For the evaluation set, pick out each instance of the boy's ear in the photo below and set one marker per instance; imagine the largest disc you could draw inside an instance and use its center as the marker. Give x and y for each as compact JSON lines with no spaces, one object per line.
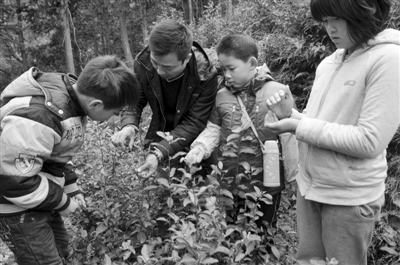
{"x":188,"y":58}
{"x":253,"y":62}
{"x":95,"y":104}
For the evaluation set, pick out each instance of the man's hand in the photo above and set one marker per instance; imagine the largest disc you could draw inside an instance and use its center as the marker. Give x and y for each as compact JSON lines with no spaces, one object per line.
{"x":119,"y":138}
{"x":283,"y":126}
{"x":149,"y":167}
{"x":194,"y":156}
{"x":293,"y":186}
{"x":281,"y":103}
{"x":80,"y":200}
{"x":72,"y":207}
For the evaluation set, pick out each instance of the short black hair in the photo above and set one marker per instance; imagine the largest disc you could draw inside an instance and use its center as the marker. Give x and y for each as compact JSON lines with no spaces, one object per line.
{"x":171,"y":36}
{"x":365,"y":18}
{"x":108,"y":78}
{"x":239,"y":45}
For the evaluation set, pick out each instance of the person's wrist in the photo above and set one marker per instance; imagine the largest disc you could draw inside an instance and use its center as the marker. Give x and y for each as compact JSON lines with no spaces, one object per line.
{"x":157,"y":153}
{"x":131,"y":126}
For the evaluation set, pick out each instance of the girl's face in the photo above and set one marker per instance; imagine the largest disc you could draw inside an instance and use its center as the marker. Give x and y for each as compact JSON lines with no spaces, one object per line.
{"x":339,"y":34}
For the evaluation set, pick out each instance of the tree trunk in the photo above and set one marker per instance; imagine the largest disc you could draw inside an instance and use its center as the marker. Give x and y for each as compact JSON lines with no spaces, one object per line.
{"x":69,"y":58}
{"x":21,"y":39}
{"x":229,"y":8}
{"x":124,"y":36}
{"x":188,"y":11}
{"x":143,"y":12}
{"x":107,"y":31}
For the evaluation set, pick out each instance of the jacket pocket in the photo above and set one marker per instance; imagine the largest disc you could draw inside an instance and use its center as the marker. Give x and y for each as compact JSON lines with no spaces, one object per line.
{"x":329,"y":167}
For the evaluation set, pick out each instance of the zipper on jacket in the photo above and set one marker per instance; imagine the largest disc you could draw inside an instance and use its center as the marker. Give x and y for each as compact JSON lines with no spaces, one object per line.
{"x":159,"y":102}
{"x":316,"y":115}
{"x":233,"y":114}
{"x":257,"y":111}
{"x":328,"y":88}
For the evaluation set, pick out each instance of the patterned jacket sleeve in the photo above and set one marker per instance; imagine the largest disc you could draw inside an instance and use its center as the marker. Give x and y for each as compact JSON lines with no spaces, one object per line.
{"x":208,"y":139}
{"x":25,"y":146}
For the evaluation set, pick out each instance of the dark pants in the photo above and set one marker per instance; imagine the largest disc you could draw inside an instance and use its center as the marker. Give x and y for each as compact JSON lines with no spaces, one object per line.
{"x":35,"y":237}
{"x":269,"y":211}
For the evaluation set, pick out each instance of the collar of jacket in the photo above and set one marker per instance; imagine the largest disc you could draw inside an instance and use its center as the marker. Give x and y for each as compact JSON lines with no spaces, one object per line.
{"x":261,"y":76}
{"x":55,"y":90}
{"x":74,"y":98}
{"x":200,"y":67}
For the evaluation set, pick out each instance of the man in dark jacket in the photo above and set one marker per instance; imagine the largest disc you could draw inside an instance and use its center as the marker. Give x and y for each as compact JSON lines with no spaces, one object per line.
{"x":179,"y":83}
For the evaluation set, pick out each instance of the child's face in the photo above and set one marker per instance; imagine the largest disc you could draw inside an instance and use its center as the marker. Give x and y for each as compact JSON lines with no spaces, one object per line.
{"x":101,"y":114}
{"x":339,"y":34}
{"x":237,"y":73}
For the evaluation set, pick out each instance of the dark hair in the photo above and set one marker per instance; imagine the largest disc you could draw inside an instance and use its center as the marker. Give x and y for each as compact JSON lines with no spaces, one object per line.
{"x":240,"y":45}
{"x":365,"y":18}
{"x":107,"y":78}
{"x":171,"y":36}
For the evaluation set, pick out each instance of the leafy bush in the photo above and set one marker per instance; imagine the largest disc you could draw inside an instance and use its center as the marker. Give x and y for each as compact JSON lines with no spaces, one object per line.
{"x":166,"y":219}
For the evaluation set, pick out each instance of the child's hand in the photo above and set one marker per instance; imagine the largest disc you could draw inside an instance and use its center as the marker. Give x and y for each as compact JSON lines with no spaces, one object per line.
{"x":149,"y":167}
{"x":119,"y":138}
{"x":194,"y":156}
{"x":283,"y":126}
{"x":80,"y":200}
{"x":281,"y":103}
{"x":72,"y":207}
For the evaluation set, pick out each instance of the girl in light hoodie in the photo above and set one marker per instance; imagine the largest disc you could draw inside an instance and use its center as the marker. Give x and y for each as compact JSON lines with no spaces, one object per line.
{"x":351,"y":116}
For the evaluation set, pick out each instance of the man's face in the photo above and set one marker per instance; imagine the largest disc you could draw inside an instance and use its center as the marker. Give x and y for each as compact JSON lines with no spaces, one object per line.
{"x":168,"y":66}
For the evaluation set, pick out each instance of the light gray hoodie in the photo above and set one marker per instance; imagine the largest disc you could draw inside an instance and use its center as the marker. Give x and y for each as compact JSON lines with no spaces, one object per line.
{"x":351,"y":116}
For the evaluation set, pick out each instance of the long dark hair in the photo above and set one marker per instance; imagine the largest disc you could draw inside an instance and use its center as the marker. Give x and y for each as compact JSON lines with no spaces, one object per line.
{"x":365,"y":18}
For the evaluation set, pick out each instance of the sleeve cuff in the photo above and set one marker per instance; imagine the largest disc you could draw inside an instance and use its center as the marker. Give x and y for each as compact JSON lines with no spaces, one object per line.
{"x":65,"y":202}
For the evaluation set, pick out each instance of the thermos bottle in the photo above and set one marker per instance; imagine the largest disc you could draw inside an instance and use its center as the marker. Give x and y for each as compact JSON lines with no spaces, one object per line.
{"x":271,"y":164}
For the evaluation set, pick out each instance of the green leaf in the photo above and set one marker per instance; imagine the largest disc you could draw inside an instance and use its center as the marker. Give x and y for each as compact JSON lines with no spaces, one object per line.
{"x":220,"y":165}
{"x":216,"y":169}
{"x":194,"y":169}
{"x":170,"y":202}
{"x":188,"y":259}
{"x":232,"y":137}
{"x":145,"y":252}
{"x":250,"y":246}
{"x":186,"y":201}
{"x":223,"y":249}
{"x":192,"y":198}
{"x":229,"y":154}
{"x":390,"y":251}
{"x":107,"y":260}
{"x":201,"y":191}
{"x":276,"y":252}
{"x":229,"y":231}
{"x":179,"y":154}
{"x":151,"y":187}
{"x":246,"y":138}
{"x":209,"y":261}
{"x":173,"y":216}
{"x":172,"y":172}
{"x":239,"y":257}
{"x":162,"y":219}
{"x":227,"y":193}
{"x":246,"y":165}
{"x":163,"y":181}
{"x":247,"y":150}
{"x":101,"y":228}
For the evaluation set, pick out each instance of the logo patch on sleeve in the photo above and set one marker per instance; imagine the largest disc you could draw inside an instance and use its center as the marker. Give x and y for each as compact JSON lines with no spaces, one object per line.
{"x":25,"y":163}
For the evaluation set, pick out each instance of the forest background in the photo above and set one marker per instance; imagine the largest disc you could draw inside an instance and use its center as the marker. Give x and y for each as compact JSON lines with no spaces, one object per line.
{"x":120,"y":225}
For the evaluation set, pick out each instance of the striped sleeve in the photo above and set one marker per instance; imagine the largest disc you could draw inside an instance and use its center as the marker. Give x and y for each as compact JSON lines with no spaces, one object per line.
{"x":25,"y":145}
